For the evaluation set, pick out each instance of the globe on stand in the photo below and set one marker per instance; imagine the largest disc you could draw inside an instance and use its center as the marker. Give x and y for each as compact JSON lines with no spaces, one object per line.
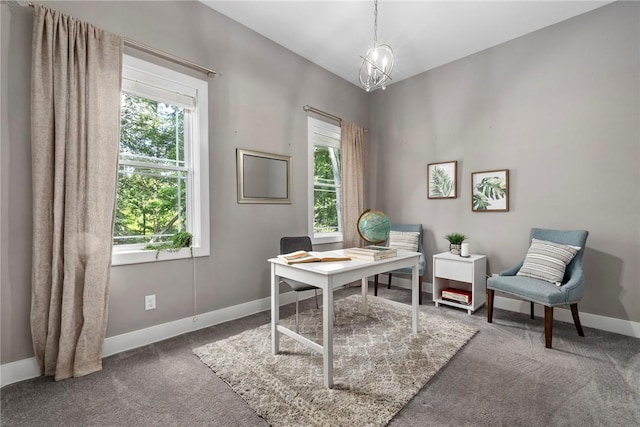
{"x":373,"y":226}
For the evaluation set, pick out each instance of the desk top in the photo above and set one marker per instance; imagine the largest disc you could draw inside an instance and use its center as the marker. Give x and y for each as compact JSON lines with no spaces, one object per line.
{"x":332,"y":267}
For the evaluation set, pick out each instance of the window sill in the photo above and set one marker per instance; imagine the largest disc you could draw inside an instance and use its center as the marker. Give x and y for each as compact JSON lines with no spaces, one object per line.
{"x":320,"y":239}
{"x":144,"y":256}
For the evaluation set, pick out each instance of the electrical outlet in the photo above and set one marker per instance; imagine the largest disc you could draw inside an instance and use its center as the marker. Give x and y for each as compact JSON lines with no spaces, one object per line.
{"x":150,"y":302}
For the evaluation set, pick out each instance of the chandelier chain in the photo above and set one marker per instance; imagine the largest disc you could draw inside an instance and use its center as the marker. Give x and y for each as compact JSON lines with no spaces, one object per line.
{"x":375,"y":23}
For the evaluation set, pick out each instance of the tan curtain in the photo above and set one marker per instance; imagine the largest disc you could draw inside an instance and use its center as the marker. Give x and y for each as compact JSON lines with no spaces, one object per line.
{"x":75,"y":100}
{"x":353,"y":153}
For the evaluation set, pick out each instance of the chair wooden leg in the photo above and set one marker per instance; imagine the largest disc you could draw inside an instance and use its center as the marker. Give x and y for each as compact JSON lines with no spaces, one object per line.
{"x":389,"y":284}
{"x":375,"y":285}
{"x":490,"y":293}
{"x":532,"y":310}
{"x":419,"y":290}
{"x":548,"y":325}
{"x":576,"y":318}
{"x":316,"y":292}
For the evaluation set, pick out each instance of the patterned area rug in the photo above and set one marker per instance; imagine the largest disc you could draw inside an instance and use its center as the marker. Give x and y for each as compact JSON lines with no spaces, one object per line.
{"x":378,"y":364}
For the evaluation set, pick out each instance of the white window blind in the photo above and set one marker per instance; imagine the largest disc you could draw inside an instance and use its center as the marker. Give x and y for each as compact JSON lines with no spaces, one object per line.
{"x":187,"y":101}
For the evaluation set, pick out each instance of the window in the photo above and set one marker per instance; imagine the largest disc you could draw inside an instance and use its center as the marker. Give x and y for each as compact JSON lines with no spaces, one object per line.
{"x":325,"y":182}
{"x":163,"y":164}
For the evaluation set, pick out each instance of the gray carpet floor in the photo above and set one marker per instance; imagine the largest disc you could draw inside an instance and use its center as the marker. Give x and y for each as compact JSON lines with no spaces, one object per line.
{"x":503,"y":377}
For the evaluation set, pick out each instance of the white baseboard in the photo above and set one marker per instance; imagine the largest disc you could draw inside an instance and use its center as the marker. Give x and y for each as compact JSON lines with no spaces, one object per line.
{"x":604,"y":323}
{"x":28,"y":368}
{"x":19,"y":370}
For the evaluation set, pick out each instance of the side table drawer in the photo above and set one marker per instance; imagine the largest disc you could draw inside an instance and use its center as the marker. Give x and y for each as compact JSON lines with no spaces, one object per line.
{"x":454,"y":270}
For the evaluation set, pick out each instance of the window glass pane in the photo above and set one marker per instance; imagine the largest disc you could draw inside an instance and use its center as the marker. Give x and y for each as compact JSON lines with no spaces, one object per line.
{"x":152,"y":201}
{"x":326,"y":210}
{"x":326,"y":189}
{"x":151,"y":204}
{"x":151,"y":131}
{"x":327,"y":165}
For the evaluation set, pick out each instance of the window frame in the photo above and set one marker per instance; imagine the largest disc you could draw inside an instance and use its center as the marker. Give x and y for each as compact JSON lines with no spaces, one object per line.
{"x":315,"y":126}
{"x":196,"y":158}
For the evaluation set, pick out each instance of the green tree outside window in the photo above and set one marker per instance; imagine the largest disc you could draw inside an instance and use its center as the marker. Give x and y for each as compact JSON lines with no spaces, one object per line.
{"x":152,"y":179}
{"x":327,"y":189}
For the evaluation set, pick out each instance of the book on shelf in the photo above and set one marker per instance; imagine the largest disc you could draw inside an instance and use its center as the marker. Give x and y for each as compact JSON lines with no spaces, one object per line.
{"x":457,"y":295}
{"x":372,"y":252}
{"x":299,"y":257}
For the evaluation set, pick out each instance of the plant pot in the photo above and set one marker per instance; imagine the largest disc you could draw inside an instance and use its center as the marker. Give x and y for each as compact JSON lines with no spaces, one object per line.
{"x":454,"y":249}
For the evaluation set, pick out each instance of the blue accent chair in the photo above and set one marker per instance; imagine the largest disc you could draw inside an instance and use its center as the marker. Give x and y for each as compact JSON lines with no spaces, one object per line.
{"x":541,"y":291}
{"x":421,"y":263}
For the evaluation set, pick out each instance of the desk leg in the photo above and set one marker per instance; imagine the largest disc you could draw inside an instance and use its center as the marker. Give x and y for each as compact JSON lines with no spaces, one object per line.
{"x":415,"y":297}
{"x":327,"y":338}
{"x":365,"y":290}
{"x":275,"y":310}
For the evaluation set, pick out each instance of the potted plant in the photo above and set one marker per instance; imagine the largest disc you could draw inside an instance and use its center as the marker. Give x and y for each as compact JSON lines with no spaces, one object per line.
{"x":179,"y":240}
{"x":455,"y":241}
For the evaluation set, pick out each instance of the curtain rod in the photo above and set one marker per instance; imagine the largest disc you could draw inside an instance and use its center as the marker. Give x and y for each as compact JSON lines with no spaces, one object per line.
{"x":168,"y":56}
{"x":152,"y":50}
{"x":325,"y":114}
{"x":322,"y":113}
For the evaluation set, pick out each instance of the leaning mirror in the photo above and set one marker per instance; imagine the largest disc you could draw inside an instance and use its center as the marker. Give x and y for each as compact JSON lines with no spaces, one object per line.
{"x":263,"y":177}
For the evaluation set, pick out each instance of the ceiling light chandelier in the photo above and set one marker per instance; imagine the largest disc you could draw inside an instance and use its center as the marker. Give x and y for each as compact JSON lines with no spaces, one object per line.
{"x":375,"y":71}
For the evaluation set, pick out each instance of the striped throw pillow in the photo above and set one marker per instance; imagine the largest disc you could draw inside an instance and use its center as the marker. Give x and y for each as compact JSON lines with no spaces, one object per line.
{"x":547,"y":261}
{"x":407,"y":240}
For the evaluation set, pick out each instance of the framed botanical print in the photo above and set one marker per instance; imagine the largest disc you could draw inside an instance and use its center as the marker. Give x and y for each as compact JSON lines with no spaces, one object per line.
{"x":441,"y":180}
{"x":490,"y":191}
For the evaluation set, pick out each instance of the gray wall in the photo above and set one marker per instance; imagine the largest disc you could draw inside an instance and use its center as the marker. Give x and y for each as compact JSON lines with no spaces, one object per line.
{"x":256,"y":104}
{"x":560,"y":109}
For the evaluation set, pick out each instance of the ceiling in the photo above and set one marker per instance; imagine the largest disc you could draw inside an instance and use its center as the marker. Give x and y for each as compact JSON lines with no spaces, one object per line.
{"x":423,"y":34}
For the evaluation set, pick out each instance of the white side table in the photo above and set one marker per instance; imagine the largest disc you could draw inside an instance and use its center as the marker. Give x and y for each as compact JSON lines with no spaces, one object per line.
{"x":454,"y":271}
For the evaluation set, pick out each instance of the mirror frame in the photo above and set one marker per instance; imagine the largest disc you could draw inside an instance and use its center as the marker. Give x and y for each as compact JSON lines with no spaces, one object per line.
{"x":240,"y":156}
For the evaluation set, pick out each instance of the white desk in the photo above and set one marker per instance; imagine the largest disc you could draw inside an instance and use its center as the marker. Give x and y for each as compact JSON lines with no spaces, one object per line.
{"x":327,"y":276}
